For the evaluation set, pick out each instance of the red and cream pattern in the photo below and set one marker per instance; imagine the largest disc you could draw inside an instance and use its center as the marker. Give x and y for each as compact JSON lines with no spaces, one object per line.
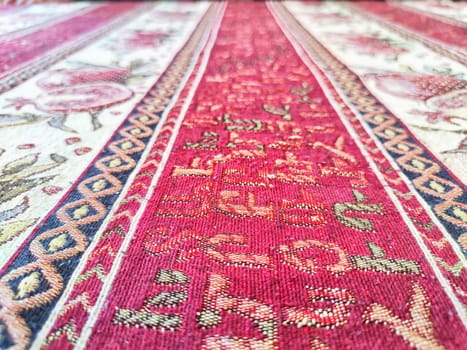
{"x":427,"y":28}
{"x":20,"y":49}
{"x":446,"y":11}
{"x":27,"y":18}
{"x":74,"y":107}
{"x":270,"y":207}
{"x":423,"y":88}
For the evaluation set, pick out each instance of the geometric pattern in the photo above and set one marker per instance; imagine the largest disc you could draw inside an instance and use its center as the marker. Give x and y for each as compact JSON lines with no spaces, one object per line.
{"x":441,"y":191}
{"x":261,"y":194}
{"x":37,"y":276}
{"x":110,"y":241}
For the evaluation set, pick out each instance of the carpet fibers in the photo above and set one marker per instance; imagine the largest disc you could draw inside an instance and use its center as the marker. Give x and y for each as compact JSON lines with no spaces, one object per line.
{"x":267,"y":175}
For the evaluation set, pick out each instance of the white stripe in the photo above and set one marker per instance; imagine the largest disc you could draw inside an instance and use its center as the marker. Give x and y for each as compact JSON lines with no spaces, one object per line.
{"x":47,"y":23}
{"x":94,"y":313}
{"x":457,"y":51}
{"x":438,"y":16}
{"x":75,"y":44}
{"x":442,"y":280}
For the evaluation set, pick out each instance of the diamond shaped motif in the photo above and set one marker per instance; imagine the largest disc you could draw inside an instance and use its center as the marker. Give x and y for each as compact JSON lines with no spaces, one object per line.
{"x":28,"y":285}
{"x":58,"y":242}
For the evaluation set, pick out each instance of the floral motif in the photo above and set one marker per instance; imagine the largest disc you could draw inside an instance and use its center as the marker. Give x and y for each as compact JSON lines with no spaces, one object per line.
{"x":445,"y":96}
{"x":369,"y":44}
{"x":88,"y":89}
{"x":16,"y":178}
{"x":146,"y":39}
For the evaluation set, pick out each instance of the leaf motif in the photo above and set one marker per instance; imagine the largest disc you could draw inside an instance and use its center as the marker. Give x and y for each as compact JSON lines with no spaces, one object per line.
{"x":303,"y":90}
{"x":12,"y":189}
{"x":417,"y":330}
{"x":15,"y":211}
{"x":376,"y":250}
{"x":208,"y":318}
{"x":171,"y":277}
{"x":14,"y":229}
{"x":28,"y":285}
{"x":10,"y":120}
{"x":275,"y":110}
{"x":20,"y":164}
{"x":359,"y":196}
{"x":455,"y":269}
{"x":167,"y":299}
{"x":57,"y":158}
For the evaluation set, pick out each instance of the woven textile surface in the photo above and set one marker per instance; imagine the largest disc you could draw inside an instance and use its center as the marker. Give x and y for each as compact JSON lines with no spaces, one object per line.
{"x":246,"y":175}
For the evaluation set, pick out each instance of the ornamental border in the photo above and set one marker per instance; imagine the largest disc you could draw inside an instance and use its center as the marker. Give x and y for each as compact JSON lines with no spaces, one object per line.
{"x":392,"y":133}
{"x":79,"y":216}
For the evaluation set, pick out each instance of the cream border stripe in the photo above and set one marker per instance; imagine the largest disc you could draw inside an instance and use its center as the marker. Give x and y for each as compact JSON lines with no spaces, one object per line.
{"x":14,"y":77}
{"x":48,"y":23}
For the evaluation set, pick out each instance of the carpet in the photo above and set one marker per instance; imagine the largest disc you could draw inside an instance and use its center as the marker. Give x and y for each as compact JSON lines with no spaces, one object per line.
{"x":245,"y":175}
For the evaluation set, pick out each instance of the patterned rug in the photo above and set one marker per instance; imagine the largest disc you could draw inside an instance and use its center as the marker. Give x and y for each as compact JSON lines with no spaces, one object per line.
{"x":233,"y":175}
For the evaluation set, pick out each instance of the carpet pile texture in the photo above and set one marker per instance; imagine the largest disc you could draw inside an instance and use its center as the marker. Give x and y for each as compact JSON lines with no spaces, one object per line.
{"x":223,"y":176}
